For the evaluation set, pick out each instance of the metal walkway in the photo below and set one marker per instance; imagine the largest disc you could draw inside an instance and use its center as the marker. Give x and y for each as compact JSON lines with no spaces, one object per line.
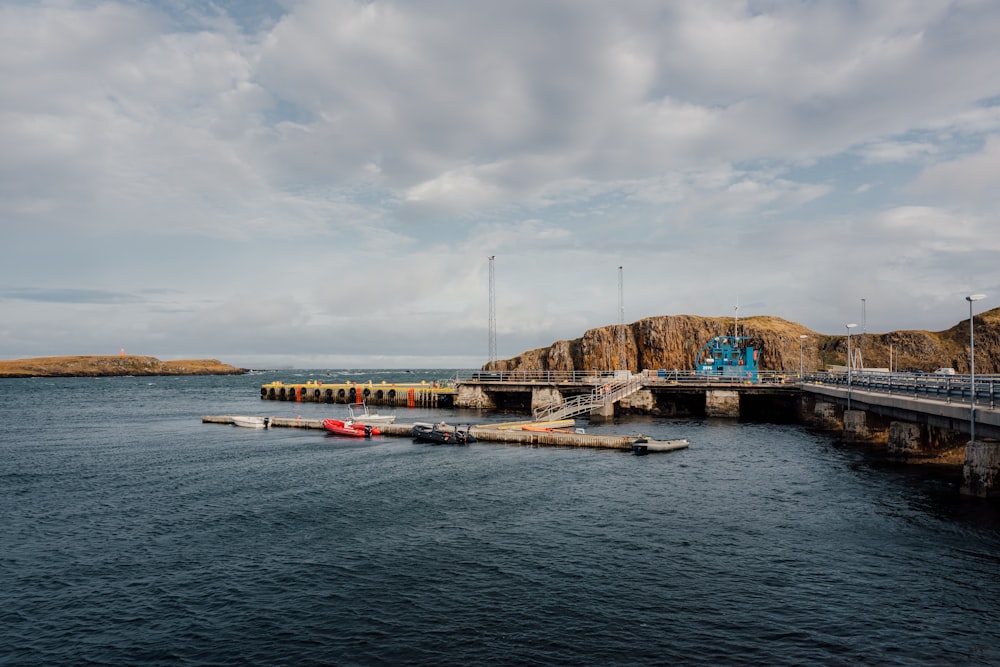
{"x":605,"y":395}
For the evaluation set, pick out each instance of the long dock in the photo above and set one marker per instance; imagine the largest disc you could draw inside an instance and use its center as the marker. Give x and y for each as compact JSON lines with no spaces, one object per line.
{"x":485,"y":433}
{"x":436,"y":394}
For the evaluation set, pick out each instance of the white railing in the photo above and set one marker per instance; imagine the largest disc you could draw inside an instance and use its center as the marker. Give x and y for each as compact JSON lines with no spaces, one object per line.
{"x":574,"y":377}
{"x":601,"y":377}
{"x":948,"y":388}
{"x":609,"y":393}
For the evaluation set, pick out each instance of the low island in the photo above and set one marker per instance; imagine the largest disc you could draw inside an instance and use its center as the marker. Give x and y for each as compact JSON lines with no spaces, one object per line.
{"x":111,"y":365}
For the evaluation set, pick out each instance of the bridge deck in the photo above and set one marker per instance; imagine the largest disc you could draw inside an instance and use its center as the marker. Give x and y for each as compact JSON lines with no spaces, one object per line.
{"x":948,"y":411}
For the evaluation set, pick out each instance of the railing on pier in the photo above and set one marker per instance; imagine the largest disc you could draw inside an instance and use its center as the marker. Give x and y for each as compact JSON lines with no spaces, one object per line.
{"x":949,"y":388}
{"x":607,"y":394}
{"x":598,"y":377}
{"x":669,"y":377}
{"x":572,"y":377}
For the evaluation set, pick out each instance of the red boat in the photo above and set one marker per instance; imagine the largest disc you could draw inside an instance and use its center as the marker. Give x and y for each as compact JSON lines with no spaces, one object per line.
{"x":352,"y":429}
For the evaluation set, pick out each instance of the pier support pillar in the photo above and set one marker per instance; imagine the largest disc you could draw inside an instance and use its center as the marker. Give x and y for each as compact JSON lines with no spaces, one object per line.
{"x":545,"y":397}
{"x":908,"y":441}
{"x":640,"y":401}
{"x":806,"y":408}
{"x":855,"y":427}
{"x":604,"y":413}
{"x":981,"y":473}
{"x":825,"y":416}
{"x":861,"y":426}
{"x":722,"y":403}
{"x":472,"y":396}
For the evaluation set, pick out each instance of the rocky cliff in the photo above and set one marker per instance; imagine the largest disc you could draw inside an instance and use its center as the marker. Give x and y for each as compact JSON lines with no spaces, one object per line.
{"x":673,"y":341}
{"x":97,"y":366}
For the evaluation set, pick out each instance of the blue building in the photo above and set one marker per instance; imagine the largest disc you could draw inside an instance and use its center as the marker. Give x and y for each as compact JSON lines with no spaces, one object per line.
{"x":729,"y":357}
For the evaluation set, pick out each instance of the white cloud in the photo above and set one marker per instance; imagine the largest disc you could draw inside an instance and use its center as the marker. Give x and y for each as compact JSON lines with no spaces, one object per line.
{"x":266,"y":170}
{"x":898,"y":151}
{"x":971,"y":176}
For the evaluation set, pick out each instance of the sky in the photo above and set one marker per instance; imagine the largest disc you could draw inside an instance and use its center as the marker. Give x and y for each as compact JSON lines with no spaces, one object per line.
{"x":321,"y":183}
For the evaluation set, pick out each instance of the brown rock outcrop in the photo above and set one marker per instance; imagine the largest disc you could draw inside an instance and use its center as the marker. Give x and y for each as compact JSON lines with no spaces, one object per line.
{"x":673,"y":341}
{"x":99,"y":366}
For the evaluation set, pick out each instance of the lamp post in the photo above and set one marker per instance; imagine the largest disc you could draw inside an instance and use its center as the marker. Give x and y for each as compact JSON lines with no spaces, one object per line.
{"x":972,"y":368}
{"x":849,"y":364}
{"x":802,"y":338}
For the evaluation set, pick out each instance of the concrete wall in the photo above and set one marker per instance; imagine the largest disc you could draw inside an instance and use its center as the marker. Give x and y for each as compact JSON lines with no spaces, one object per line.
{"x":545,"y":397}
{"x":828,"y":416}
{"x":861,"y":426}
{"x":981,"y":472}
{"x":916,"y":442}
{"x":641,"y":401}
{"x":473,"y":396}
{"x":722,"y":403}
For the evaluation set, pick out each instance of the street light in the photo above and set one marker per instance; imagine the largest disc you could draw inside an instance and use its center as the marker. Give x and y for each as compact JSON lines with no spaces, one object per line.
{"x":972,"y":368}
{"x":849,"y":364}
{"x":802,"y":338}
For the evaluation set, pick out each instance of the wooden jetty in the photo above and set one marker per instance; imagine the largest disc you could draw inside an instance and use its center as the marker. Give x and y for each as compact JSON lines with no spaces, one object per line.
{"x":486,"y":433}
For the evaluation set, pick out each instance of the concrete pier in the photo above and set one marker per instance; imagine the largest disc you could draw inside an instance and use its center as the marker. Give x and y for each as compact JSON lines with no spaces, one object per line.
{"x":861,"y":426}
{"x":919,"y":442}
{"x":423,"y":394}
{"x":722,"y":403}
{"x":827,"y":416}
{"x":500,"y":435}
{"x":981,"y":473}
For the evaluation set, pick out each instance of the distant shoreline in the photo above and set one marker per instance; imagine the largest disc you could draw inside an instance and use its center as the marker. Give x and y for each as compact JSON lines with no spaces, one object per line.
{"x":112,"y":366}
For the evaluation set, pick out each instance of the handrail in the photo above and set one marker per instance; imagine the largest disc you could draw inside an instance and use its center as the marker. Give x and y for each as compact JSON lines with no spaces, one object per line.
{"x":947,"y":387}
{"x":600,"y":377}
{"x":576,"y":377}
{"x":609,"y":393}
{"x":950,"y":388}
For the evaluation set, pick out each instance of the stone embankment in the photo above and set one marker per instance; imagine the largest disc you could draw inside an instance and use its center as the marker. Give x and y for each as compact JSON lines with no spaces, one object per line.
{"x":105,"y":366}
{"x":673,"y":341}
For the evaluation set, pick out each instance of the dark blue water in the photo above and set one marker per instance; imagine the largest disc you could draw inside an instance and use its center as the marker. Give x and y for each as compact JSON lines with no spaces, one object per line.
{"x":132,"y":533}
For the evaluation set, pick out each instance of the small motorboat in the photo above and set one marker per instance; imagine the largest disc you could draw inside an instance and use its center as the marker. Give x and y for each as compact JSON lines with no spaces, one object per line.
{"x":251,"y":422}
{"x":349,"y":428}
{"x":442,"y":434}
{"x":361,"y":414}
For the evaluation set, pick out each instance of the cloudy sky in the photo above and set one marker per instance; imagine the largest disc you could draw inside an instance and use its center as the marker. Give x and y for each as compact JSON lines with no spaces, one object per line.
{"x":320,"y":183}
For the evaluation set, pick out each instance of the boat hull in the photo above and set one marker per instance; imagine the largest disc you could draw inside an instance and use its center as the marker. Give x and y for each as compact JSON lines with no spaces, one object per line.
{"x":442,"y":434}
{"x":360,"y":414}
{"x":350,"y":429}
{"x":251,"y":422}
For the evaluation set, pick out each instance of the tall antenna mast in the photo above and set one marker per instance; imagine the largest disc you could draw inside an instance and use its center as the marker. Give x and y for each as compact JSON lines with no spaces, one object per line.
{"x":861,"y":340}
{"x":493,"y":315}
{"x":736,"y":318}
{"x":621,"y":319}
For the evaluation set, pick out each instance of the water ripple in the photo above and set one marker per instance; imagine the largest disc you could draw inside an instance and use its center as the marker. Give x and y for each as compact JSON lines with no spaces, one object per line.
{"x":146,"y":537}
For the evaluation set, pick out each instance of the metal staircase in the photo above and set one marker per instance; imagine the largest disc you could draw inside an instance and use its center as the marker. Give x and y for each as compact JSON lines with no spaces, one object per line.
{"x":607,"y":394}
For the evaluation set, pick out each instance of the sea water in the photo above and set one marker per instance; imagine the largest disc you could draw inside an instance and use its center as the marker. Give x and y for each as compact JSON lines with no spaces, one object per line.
{"x":133,"y":533}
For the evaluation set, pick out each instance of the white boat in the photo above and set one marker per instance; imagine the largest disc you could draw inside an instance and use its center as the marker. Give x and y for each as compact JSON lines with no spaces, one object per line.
{"x":362,"y":415}
{"x":252,"y":422}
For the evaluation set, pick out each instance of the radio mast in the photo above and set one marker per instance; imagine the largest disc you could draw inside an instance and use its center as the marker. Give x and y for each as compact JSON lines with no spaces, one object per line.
{"x":493,"y":315}
{"x":621,"y":321}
